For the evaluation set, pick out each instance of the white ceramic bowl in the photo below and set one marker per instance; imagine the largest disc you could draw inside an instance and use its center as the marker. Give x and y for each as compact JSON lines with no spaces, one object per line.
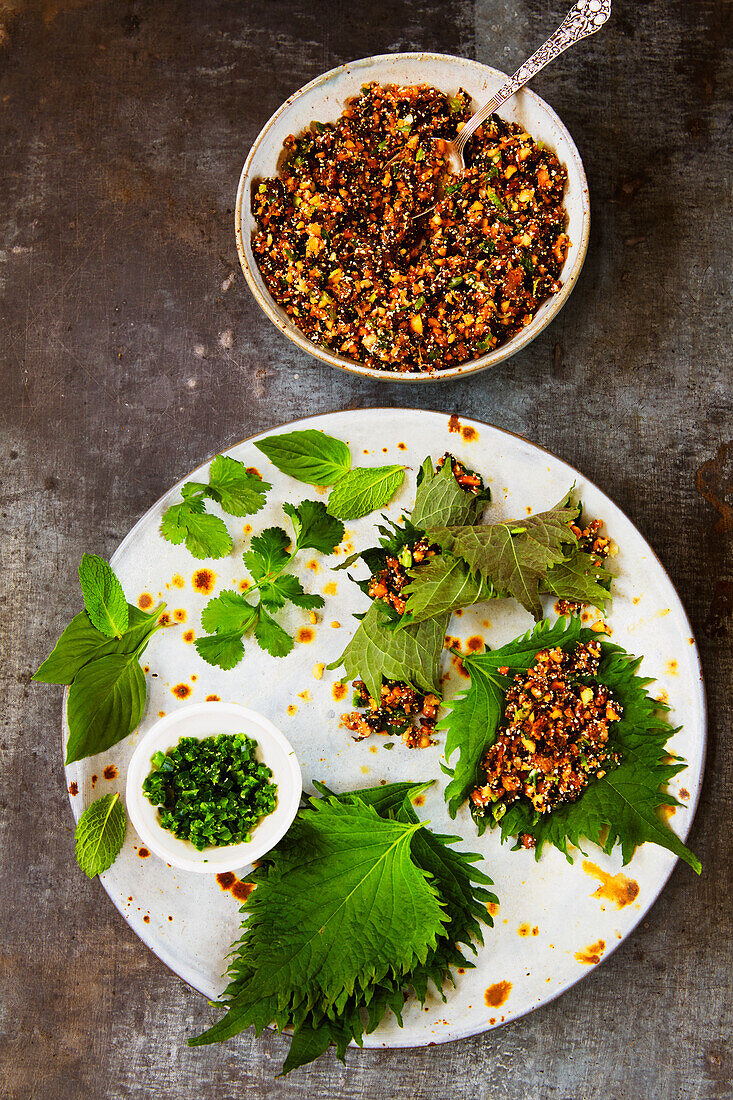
{"x":324,"y":99}
{"x":203,"y":720}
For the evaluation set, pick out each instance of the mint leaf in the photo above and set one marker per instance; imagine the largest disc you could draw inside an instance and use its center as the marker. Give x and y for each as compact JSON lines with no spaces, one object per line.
{"x":106,"y":702}
{"x":104,"y":599}
{"x":309,"y":456}
{"x":222,"y":650}
{"x":441,"y":502}
{"x":237,"y":491}
{"x":363,"y":490}
{"x":380,"y":651}
{"x":100,"y":834}
{"x":81,"y":642}
{"x":268,"y":553}
{"x":271,"y":636}
{"x":205,"y":536}
{"x":314,"y":528}
{"x":514,"y":556}
{"x":227,"y":613}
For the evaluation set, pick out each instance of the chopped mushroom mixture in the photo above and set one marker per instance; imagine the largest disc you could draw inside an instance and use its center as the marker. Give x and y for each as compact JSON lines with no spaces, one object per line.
{"x":347,"y":249}
{"x":555,"y":734}
{"x":401,"y":711}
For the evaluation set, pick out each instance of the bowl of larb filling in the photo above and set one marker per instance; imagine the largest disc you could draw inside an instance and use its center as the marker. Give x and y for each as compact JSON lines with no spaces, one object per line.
{"x":334,"y":253}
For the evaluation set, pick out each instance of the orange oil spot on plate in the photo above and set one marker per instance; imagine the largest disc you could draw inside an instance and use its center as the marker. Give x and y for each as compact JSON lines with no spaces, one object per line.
{"x":492,"y":908}
{"x":73,"y":788}
{"x":188,"y":636}
{"x":454,"y":424}
{"x":497,"y":994}
{"x":203,"y":580}
{"x":475,"y":644}
{"x":181,"y":691}
{"x":591,"y":955}
{"x":177,"y":581}
{"x":143,"y":853}
{"x":292,"y":709}
{"x":110,"y":772}
{"x":305,"y":635}
{"x":469,"y":434}
{"x":314,"y":566}
{"x":339,"y":691}
{"x":144,"y":601}
{"x":330,"y":589}
{"x":180,"y":614}
{"x":213,"y":698}
{"x":305,"y":696}
{"x":672,"y":667}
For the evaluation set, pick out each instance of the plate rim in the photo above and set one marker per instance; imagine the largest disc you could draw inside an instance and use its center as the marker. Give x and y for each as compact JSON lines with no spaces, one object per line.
{"x":369,"y":1041}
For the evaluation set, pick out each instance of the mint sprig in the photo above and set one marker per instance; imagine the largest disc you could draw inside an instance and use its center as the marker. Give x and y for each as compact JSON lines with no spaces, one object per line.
{"x":100,"y":834}
{"x":107,"y":688}
{"x":237,"y":491}
{"x":231,"y":615}
{"x":315,"y":458}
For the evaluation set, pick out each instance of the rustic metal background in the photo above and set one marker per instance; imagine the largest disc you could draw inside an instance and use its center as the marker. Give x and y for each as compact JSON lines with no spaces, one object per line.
{"x":132,"y":350}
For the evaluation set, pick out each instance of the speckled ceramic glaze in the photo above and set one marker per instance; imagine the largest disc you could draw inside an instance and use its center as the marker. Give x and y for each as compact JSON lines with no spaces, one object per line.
{"x":324,"y":99}
{"x":555,"y":920}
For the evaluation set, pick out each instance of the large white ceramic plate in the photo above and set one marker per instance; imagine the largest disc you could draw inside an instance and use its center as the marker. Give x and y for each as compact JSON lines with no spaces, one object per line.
{"x":551,"y":926}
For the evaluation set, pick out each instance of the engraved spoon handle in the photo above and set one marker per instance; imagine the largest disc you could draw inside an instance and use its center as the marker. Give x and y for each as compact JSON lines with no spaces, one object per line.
{"x":586,"y":17}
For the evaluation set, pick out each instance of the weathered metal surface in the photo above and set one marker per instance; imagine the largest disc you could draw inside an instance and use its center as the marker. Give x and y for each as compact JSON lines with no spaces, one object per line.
{"x":132,"y":349}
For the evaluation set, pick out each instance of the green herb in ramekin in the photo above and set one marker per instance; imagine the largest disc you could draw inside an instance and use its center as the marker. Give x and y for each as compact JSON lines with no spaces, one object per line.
{"x":212,"y":791}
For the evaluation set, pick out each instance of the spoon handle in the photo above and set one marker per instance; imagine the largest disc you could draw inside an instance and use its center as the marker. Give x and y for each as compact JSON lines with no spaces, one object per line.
{"x":584,"y":18}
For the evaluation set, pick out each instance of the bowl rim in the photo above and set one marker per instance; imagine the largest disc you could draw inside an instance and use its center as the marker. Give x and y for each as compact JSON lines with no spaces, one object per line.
{"x":499,"y":355}
{"x":228,"y":857}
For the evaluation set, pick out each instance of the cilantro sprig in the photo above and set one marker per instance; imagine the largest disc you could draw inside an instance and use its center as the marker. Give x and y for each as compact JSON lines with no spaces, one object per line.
{"x":231,"y":615}
{"x":315,"y":458}
{"x":238,"y":492}
{"x":101,"y":663}
{"x":359,"y":903}
{"x":620,"y":806}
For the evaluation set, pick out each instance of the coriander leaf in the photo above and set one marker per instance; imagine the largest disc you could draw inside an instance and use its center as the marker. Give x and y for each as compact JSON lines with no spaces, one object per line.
{"x":441,"y":502}
{"x":104,"y":599}
{"x":514,"y":556}
{"x":228,"y":613}
{"x":287,"y":589}
{"x":223,"y":650}
{"x":443,"y":583}
{"x":409,"y":653}
{"x":106,"y":702}
{"x":309,"y":456}
{"x":342,"y":905}
{"x":577,"y":578}
{"x":205,"y":536}
{"x":268,"y":553}
{"x":271,"y":636}
{"x":100,"y":834}
{"x":237,"y":491}
{"x":363,"y":490}
{"x":81,"y":642}
{"x":315,"y":529}
{"x":474,"y":715}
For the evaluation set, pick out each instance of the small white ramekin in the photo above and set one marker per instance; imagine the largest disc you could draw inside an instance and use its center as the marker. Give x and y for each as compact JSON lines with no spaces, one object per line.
{"x":205,"y":720}
{"x":325,"y":98}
